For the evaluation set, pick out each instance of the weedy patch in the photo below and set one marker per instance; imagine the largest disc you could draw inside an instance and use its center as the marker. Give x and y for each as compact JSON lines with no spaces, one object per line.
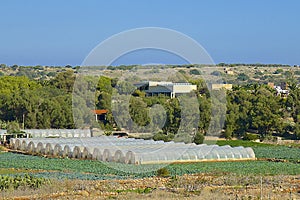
{"x":163,"y":172}
{"x":14,"y":182}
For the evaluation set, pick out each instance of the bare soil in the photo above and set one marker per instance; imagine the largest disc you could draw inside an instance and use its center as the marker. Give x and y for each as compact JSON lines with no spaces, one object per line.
{"x":198,"y":186}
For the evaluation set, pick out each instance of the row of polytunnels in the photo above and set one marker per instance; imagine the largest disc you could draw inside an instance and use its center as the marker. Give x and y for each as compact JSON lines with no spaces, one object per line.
{"x":40,"y":133}
{"x":129,"y":151}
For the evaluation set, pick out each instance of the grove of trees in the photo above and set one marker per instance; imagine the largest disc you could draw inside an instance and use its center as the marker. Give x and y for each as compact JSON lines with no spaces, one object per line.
{"x":48,"y":104}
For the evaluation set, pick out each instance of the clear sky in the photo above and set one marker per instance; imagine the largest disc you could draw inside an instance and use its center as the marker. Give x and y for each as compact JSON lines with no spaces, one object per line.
{"x":61,"y":32}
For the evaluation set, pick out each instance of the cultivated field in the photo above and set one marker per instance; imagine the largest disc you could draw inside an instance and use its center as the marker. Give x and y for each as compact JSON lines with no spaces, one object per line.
{"x":274,"y":175}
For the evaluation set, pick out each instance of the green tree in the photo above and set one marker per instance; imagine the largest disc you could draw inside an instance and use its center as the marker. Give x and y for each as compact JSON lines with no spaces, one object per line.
{"x":138,"y":111}
{"x":278,"y":71}
{"x":198,"y":138}
{"x":242,"y":77}
{"x":265,"y":112}
{"x":205,"y":113}
{"x":232,"y":116}
{"x":64,"y":81}
{"x":13,"y":127}
{"x":194,"y":72}
{"x":293,"y":103}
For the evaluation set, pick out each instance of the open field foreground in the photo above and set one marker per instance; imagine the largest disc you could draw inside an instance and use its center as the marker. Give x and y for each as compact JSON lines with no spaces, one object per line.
{"x":197,"y":186}
{"x":275,"y":175}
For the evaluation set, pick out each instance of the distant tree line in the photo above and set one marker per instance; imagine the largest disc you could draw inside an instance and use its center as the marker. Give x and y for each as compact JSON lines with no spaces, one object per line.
{"x":251,"y":65}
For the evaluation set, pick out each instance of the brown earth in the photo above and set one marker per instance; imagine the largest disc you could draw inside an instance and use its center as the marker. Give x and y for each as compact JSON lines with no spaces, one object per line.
{"x":198,"y":186}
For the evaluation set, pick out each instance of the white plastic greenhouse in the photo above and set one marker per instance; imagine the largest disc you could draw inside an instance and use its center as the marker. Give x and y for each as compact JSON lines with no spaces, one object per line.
{"x":129,"y":151}
{"x":65,"y":133}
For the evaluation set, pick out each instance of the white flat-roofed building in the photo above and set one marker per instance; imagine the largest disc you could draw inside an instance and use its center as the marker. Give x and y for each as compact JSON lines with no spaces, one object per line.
{"x":154,"y":88}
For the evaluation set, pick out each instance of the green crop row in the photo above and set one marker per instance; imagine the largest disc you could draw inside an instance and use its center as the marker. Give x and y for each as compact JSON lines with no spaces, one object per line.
{"x":244,"y":143}
{"x":278,"y":152}
{"x":95,"y":170}
{"x":262,"y":150}
{"x":237,"y":168}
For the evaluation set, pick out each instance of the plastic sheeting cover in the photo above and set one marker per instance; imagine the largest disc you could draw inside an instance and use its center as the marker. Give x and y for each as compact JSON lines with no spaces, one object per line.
{"x":130,"y":151}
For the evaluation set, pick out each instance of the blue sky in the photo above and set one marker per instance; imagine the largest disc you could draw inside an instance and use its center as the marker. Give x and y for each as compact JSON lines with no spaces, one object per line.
{"x":61,"y":32}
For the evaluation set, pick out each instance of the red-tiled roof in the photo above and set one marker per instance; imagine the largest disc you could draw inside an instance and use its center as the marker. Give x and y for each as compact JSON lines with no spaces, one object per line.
{"x":100,"y":112}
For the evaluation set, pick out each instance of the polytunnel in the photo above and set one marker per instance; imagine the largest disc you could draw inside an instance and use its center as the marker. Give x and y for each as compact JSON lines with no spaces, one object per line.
{"x":87,"y":153}
{"x":12,"y":142}
{"x":130,"y":151}
{"x":77,"y":152}
{"x":66,"y":151}
{"x":16,"y":144}
{"x":129,"y":158}
{"x":250,"y":152}
{"x":97,"y":154}
{"x":57,"y":151}
{"x":39,"y":148}
{"x":42,"y":133}
{"x":30,"y":147}
{"x":107,"y":156}
{"x":119,"y":157}
{"x":23,"y":146}
{"x":186,"y":156}
{"x":48,"y":149}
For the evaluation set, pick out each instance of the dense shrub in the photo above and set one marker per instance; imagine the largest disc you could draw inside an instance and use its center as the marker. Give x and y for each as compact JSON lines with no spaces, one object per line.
{"x":216,"y":73}
{"x":243,"y":77}
{"x":163,"y":137}
{"x":163,"y":172}
{"x":249,"y":136}
{"x":7,"y":182}
{"x":278,"y":71}
{"x":199,"y":138}
{"x":195,"y":72}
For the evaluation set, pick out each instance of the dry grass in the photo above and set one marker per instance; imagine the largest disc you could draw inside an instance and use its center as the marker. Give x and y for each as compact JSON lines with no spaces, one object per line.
{"x":199,"y":186}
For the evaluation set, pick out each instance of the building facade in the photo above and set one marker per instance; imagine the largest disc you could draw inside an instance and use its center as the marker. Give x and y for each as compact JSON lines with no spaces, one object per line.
{"x":155,"y":88}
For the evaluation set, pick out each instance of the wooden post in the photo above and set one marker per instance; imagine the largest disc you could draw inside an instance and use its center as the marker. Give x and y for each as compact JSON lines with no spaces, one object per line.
{"x":261,"y":193}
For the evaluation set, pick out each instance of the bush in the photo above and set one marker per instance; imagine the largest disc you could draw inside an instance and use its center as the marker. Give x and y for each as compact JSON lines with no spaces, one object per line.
{"x":181,"y":71}
{"x":195,"y":72}
{"x":199,"y":138}
{"x":288,"y":73}
{"x":243,"y":77}
{"x":7,"y":182}
{"x":297,"y":72}
{"x":164,"y":137}
{"x":1,"y":148}
{"x":278,"y":71}
{"x":249,"y":136}
{"x":13,"y":127}
{"x":216,"y":73}
{"x":107,"y":133}
{"x":163,"y":172}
